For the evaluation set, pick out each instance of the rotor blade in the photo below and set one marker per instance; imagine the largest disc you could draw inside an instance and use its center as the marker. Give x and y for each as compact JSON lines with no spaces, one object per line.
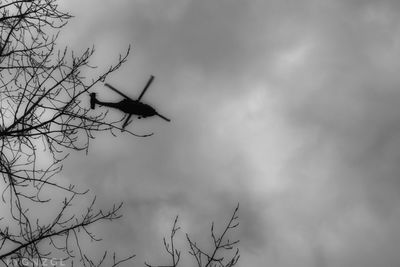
{"x":145,"y":88}
{"x":126,"y":122}
{"x":162,"y":117}
{"x":117,"y":91}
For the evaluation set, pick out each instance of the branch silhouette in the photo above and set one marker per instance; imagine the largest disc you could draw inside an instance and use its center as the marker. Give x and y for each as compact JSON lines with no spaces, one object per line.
{"x":44,"y":111}
{"x":221,"y":245}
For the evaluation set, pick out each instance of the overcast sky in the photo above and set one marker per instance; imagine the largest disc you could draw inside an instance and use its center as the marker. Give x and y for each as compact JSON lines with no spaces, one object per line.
{"x":289,"y":107}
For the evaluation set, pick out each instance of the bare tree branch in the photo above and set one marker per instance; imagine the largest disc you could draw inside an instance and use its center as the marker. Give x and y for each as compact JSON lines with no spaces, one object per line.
{"x":221,"y":245}
{"x":44,"y":111}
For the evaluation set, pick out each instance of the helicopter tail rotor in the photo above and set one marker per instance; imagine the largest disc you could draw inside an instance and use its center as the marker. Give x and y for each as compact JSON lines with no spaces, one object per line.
{"x":93,"y":100}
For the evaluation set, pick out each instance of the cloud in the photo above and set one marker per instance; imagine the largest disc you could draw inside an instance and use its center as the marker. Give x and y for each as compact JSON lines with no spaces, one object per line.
{"x":342,"y":100}
{"x":290,"y":108}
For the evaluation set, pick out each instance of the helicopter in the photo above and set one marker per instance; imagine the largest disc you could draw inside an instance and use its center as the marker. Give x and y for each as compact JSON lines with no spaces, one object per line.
{"x":128,"y":105}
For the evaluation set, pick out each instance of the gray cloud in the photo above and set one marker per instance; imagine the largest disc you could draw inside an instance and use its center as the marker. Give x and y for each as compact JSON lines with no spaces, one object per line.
{"x":347,"y":108}
{"x":288,"y":107}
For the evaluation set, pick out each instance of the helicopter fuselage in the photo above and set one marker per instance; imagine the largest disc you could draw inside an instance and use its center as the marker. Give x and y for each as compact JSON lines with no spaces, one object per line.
{"x":136,"y":108}
{"x":133,"y":107}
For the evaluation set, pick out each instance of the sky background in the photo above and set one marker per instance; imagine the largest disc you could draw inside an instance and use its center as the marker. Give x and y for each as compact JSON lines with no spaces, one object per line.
{"x":289,"y":107}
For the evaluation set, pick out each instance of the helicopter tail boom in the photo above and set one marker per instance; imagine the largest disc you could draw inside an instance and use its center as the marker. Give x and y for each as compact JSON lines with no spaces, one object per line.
{"x":93,"y":100}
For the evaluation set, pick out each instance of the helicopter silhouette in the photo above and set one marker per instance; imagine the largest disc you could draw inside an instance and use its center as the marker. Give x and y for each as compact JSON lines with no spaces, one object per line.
{"x":128,"y":105}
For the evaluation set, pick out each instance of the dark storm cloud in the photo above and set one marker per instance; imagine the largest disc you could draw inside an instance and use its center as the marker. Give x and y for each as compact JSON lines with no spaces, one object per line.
{"x":288,"y":107}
